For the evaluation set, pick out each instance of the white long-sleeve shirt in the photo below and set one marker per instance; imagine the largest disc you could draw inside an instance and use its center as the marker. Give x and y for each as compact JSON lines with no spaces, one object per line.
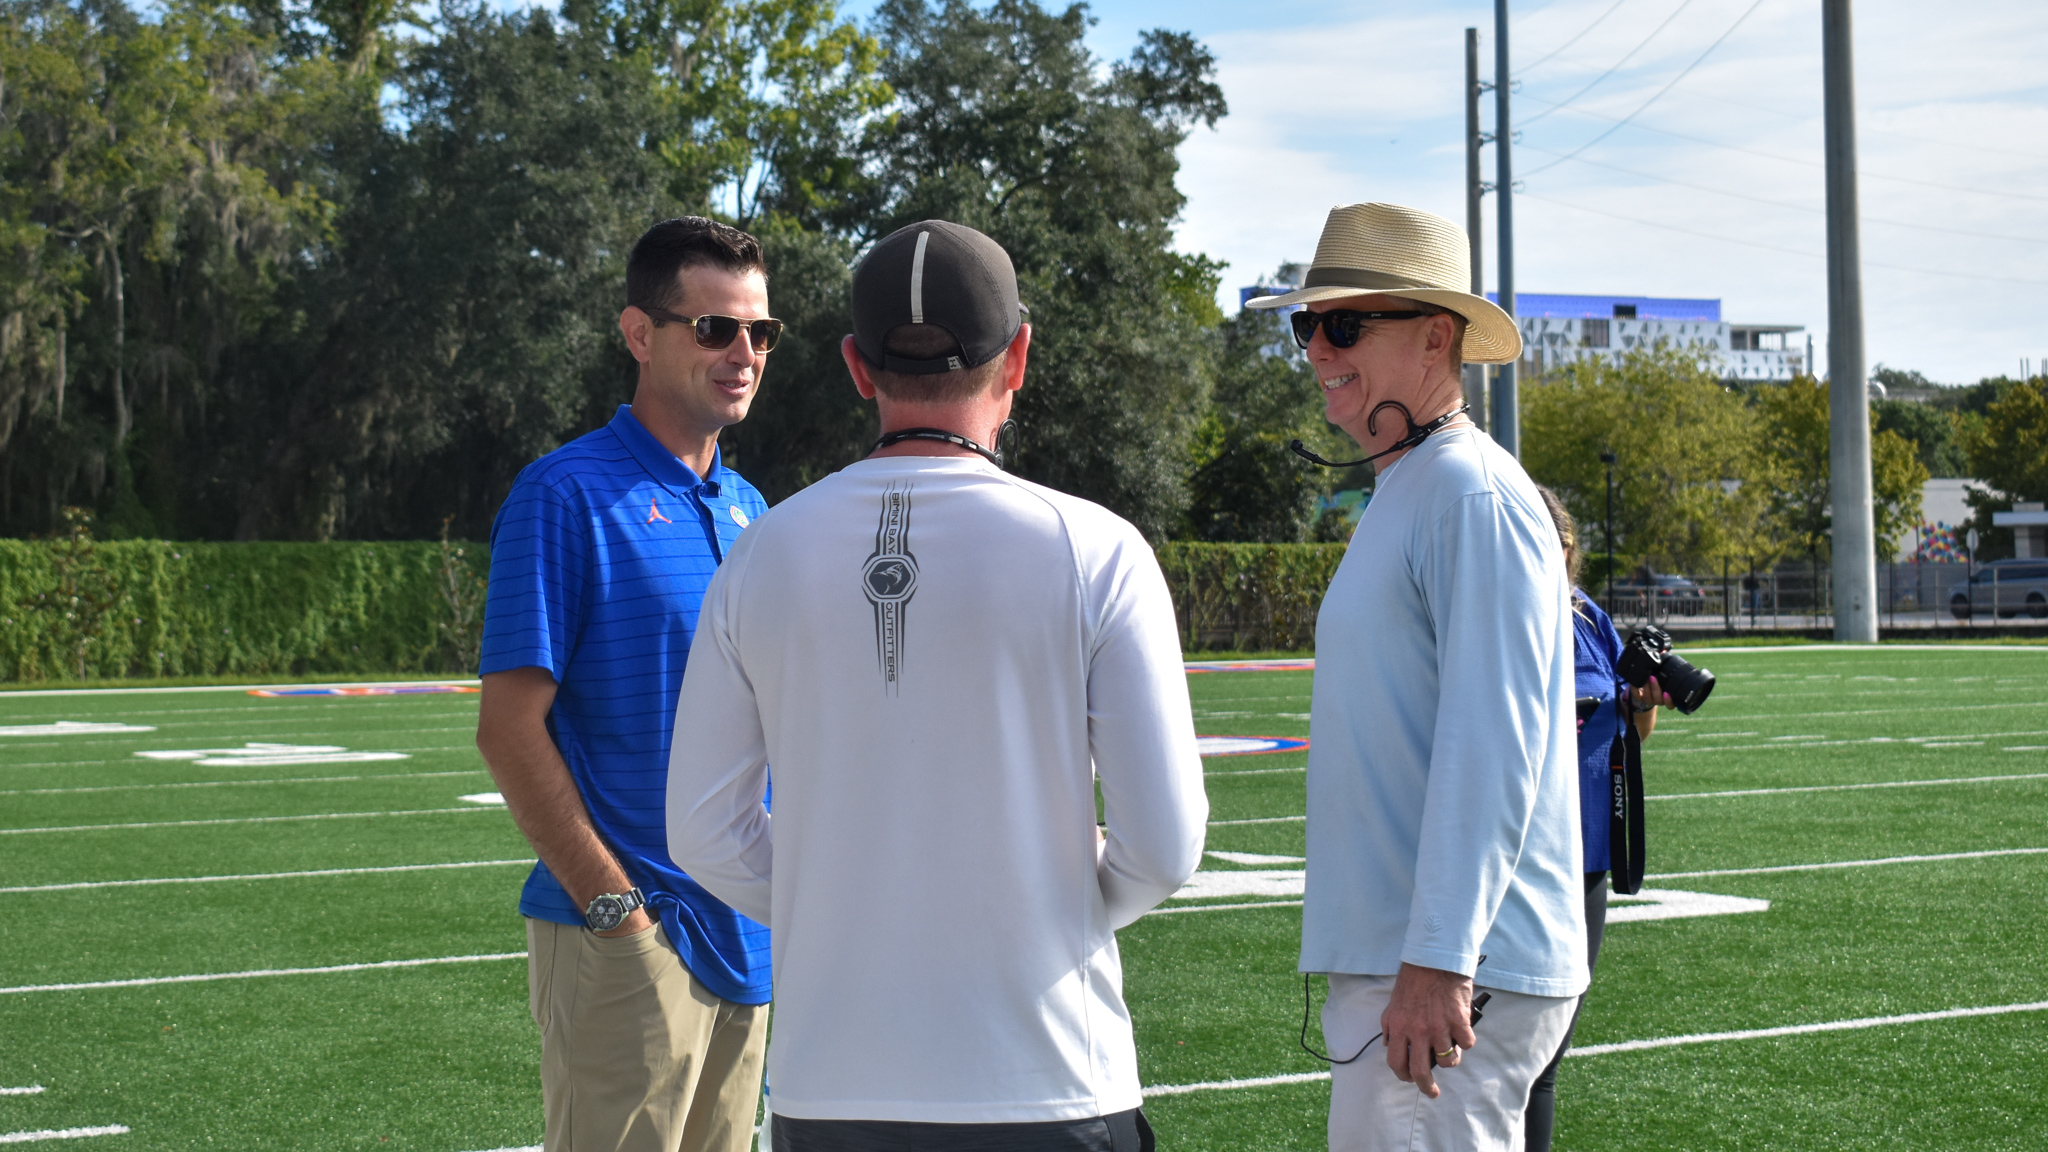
{"x":1443,"y":804}
{"x":940,"y":661}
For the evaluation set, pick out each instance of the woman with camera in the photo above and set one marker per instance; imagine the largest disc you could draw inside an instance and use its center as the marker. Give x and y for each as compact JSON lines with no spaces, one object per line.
{"x":1596,"y":649}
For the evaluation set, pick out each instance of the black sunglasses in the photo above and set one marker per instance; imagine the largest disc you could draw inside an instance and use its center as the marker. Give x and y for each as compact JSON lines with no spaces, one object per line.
{"x":1340,"y":325}
{"x":718,"y":332}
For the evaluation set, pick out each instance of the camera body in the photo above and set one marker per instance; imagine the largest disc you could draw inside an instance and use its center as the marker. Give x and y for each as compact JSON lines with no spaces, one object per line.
{"x":1648,"y":653}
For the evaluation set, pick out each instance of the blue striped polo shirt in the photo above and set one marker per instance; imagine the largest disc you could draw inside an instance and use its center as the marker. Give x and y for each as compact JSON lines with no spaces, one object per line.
{"x":599,"y":561}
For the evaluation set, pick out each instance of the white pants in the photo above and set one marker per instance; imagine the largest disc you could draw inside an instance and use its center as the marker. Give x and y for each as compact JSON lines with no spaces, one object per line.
{"x":1483,"y":1097}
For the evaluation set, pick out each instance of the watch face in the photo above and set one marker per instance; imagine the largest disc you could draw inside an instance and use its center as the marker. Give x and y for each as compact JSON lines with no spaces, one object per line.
{"x":605,"y":913}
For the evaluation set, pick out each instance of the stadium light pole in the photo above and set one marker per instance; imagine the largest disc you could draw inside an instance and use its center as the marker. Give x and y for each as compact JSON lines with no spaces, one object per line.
{"x":1854,"y":532}
{"x":1507,"y":422}
{"x":1475,"y":374}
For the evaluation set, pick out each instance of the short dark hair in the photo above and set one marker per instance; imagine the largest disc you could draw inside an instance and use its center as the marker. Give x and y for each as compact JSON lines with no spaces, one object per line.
{"x":685,"y":242}
{"x":930,"y":342}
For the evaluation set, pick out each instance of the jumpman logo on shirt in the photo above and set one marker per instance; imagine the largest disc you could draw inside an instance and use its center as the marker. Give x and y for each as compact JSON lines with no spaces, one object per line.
{"x":654,"y":512}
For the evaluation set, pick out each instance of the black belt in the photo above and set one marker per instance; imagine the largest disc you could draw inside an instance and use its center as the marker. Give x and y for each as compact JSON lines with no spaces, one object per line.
{"x":1625,"y":801}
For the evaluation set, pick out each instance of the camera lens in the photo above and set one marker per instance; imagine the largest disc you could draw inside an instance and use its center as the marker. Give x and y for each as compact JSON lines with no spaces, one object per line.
{"x":1688,"y":686}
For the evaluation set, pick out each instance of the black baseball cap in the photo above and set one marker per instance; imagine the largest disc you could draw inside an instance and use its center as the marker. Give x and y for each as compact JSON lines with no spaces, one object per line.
{"x":938,"y":273}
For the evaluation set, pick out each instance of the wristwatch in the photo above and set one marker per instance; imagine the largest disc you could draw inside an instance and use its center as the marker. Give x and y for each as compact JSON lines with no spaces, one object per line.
{"x":611,"y":909}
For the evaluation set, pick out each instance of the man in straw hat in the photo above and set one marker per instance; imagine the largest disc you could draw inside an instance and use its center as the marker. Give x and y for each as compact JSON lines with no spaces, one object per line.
{"x":1443,"y":846}
{"x":942,"y":662}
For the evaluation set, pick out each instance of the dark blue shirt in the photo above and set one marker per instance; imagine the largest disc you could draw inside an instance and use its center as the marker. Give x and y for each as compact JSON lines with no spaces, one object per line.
{"x":1596,"y":646}
{"x":599,"y":561}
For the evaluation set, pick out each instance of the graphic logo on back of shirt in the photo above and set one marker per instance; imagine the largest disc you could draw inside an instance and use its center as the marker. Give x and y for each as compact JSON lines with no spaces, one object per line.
{"x":889,"y":580}
{"x":654,"y":512}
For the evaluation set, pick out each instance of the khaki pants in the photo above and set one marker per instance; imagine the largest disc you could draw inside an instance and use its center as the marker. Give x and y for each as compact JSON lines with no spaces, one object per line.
{"x":1371,"y":1110}
{"x":635,"y":1054}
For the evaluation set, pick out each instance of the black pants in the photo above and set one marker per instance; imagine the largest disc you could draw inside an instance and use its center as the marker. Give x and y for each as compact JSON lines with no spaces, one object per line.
{"x":1118,"y":1132}
{"x":1541,"y":1116}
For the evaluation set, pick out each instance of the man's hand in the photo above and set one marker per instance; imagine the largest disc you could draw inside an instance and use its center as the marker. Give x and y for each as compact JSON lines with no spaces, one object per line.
{"x":512,"y":734}
{"x":1430,"y":1012}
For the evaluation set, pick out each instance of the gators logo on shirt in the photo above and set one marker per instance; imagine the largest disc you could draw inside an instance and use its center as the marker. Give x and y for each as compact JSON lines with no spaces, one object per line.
{"x":889,"y":580}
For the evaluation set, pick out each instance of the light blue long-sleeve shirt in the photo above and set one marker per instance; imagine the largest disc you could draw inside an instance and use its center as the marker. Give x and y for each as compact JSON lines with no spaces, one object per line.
{"x":1443,"y":801}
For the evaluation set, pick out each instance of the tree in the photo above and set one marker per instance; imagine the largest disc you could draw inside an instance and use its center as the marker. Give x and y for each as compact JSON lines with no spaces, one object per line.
{"x":763,"y":102}
{"x":1004,"y":121}
{"x":1796,"y":436}
{"x":2008,"y":450}
{"x":1682,"y":443}
{"x":1931,"y":430}
{"x":1245,"y":484}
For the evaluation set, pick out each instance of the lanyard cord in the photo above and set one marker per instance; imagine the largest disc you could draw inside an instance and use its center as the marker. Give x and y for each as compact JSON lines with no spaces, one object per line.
{"x":1417,"y":433}
{"x":994,"y":456}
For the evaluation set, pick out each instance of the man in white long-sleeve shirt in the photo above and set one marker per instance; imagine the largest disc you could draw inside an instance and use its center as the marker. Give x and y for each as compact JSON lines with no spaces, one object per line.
{"x":1443,"y":845}
{"x":941,"y":661}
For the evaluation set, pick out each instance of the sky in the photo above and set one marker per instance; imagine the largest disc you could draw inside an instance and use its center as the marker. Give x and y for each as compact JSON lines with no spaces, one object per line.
{"x":1705,"y":182}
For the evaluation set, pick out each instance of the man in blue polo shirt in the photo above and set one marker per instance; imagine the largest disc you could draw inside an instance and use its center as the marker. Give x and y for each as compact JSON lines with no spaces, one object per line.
{"x":651,"y":994}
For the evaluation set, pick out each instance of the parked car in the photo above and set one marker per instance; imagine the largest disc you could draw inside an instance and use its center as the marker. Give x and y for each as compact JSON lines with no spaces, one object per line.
{"x":1676,"y":595}
{"x":2016,"y":585}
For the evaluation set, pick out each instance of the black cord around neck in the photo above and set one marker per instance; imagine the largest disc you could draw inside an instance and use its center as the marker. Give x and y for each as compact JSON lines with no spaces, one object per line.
{"x":993,"y":456}
{"x":1417,"y":433}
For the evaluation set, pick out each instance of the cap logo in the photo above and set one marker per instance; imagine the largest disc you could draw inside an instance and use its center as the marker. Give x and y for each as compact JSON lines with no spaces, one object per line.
{"x":917,"y":279}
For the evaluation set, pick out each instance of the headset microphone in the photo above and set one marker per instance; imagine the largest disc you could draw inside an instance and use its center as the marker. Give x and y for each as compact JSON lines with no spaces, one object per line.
{"x":1417,"y":433}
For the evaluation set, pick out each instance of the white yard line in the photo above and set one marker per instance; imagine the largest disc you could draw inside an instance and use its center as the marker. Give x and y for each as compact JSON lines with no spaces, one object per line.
{"x":258,"y":876}
{"x":1260,"y":820}
{"x":1819,"y":742}
{"x":1865,"y":649}
{"x":5,"y":696}
{"x":1850,"y":787}
{"x":1224,"y":907}
{"x":240,"y":820}
{"x":239,"y":783}
{"x":25,"y":1090}
{"x":1806,"y":1029}
{"x":208,"y":977}
{"x":1638,"y":1045}
{"x":1852,"y":863}
{"x":1256,"y":771}
{"x":1219,"y":1085}
{"x":62,"y":1133}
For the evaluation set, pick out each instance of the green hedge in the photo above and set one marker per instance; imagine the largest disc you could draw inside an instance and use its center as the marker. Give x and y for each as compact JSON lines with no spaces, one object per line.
{"x":150,"y":608}
{"x":1248,"y":597}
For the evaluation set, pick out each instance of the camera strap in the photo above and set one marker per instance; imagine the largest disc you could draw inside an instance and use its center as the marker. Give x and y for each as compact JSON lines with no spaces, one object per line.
{"x":1625,"y":802}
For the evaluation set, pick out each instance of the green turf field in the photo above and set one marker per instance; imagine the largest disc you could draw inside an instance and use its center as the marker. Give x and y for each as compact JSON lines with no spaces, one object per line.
{"x":442,"y":1056}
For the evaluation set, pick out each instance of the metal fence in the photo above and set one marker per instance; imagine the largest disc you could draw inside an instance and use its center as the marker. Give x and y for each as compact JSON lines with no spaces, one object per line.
{"x":1910,"y":595}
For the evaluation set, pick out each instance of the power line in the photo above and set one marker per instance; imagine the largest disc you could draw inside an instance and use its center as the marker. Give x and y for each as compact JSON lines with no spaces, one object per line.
{"x":1617,"y":65}
{"x":1804,"y":163}
{"x":1525,"y":69}
{"x":1774,"y":247}
{"x":1697,"y":61}
{"x":1782,"y":204}
{"x":1866,"y":129}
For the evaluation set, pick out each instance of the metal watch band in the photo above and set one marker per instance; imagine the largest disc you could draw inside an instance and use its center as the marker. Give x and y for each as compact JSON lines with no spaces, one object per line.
{"x":610,"y":909}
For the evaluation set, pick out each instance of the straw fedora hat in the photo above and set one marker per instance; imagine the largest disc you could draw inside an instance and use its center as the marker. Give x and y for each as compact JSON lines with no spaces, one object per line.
{"x":1385,"y":248}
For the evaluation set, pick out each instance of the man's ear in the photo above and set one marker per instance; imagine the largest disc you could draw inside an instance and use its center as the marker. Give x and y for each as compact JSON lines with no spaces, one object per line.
{"x":1441,"y":339}
{"x":1018,"y":352}
{"x":638,"y":329}
{"x":863,"y":383}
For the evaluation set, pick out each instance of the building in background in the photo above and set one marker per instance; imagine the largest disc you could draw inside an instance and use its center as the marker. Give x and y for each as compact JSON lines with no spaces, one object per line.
{"x":1559,"y":330}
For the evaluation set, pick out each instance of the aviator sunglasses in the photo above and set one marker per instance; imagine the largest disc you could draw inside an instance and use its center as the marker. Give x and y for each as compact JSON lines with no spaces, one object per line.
{"x":1340,"y":325}
{"x":718,"y":332}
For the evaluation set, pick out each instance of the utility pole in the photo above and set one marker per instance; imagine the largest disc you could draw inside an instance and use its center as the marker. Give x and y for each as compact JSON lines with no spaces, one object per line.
{"x":1475,"y":374}
{"x":1854,"y":534}
{"x":1507,"y":417}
